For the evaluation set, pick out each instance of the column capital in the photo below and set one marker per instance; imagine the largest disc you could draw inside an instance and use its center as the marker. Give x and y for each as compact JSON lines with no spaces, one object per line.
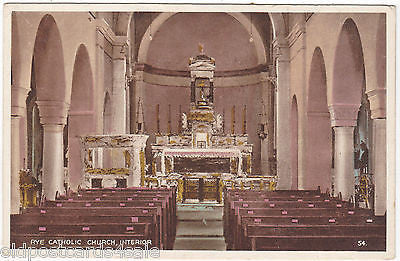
{"x":18,"y":99}
{"x":343,"y":115}
{"x":280,"y":48}
{"x":53,"y":112}
{"x":119,"y":50}
{"x":377,"y":103}
{"x":263,"y":76}
{"x":53,"y":127}
{"x":139,"y":76}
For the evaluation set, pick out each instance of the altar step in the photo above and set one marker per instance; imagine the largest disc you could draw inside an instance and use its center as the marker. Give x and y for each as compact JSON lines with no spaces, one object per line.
{"x":200,"y":227}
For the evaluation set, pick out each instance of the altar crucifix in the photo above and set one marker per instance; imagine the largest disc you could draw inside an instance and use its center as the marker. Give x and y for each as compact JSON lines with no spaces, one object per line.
{"x":202,"y":85}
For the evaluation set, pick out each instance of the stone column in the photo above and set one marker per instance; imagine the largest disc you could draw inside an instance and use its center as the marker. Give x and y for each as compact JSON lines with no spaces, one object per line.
{"x":139,"y":91}
{"x":379,"y":164}
{"x":15,"y":164}
{"x":343,"y":121}
{"x":18,"y":107}
{"x":53,"y":118}
{"x":377,"y":98}
{"x":53,"y":160}
{"x":99,"y":81}
{"x":281,"y":53}
{"x":265,"y":117}
{"x":119,"y":97}
{"x":240,"y":164}
{"x":134,"y":179}
{"x":163,"y":164}
{"x":344,"y":161}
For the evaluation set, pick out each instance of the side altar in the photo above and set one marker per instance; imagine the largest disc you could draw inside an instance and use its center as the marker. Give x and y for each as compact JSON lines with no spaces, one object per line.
{"x":113,"y":160}
{"x":202,"y":148}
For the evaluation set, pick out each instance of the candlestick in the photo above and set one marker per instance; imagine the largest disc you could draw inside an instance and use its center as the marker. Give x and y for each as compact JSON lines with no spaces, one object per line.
{"x":233,"y":120}
{"x":158,"y":117}
{"x":169,"y":119}
{"x":244,"y":120}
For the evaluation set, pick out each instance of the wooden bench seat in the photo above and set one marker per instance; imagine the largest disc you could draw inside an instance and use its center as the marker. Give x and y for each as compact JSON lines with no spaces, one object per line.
{"x":166,"y":218}
{"x":81,"y":228}
{"x":288,"y":204}
{"x":85,"y":240}
{"x":316,"y":243}
{"x":298,"y":220}
{"x":238,"y":233}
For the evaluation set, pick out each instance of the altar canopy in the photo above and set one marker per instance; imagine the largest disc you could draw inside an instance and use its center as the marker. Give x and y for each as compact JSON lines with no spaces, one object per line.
{"x":201,"y":147}
{"x":113,"y":160}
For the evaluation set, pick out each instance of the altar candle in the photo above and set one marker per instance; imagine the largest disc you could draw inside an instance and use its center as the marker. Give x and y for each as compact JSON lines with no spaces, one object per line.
{"x":169,"y":119}
{"x":233,"y":120}
{"x":158,"y":117}
{"x":179,"y":121}
{"x":244,"y":120}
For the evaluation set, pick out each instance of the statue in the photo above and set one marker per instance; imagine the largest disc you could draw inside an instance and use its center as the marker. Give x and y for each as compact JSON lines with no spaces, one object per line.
{"x":219,"y":122}
{"x":184,"y":121}
{"x":201,"y":48}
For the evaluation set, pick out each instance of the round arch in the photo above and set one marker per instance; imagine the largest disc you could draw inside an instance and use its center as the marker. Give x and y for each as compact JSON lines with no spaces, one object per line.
{"x":80,"y":118}
{"x":346,"y":94}
{"x":160,"y":19}
{"x":348,"y":68}
{"x":318,"y":128}
{"x":49,"y":61}
{"x":51,"y":91}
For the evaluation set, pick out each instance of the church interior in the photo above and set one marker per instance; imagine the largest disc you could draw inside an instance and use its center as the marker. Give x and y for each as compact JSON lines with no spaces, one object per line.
{"x":199,"y":130}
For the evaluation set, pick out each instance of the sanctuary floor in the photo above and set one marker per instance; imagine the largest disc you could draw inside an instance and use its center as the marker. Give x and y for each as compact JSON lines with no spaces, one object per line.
{"x":200,"y":227}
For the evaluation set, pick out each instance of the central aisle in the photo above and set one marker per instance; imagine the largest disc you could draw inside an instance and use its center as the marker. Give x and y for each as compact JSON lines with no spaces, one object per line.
{"x":199,"y":227}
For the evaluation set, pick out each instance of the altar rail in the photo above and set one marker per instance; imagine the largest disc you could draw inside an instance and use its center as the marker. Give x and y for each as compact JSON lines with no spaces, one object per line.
{"x":210,"y":186}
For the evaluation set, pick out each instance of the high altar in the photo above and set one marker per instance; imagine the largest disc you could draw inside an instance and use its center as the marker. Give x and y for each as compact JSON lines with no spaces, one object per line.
{"x":202,"y":149}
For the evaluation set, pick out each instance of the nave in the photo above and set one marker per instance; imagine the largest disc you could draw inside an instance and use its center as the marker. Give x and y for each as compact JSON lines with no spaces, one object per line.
{"x":201,"y":130}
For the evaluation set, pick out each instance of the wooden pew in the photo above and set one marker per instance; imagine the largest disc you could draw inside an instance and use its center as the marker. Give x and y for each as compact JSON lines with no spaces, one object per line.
{"x":261,"y":237}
